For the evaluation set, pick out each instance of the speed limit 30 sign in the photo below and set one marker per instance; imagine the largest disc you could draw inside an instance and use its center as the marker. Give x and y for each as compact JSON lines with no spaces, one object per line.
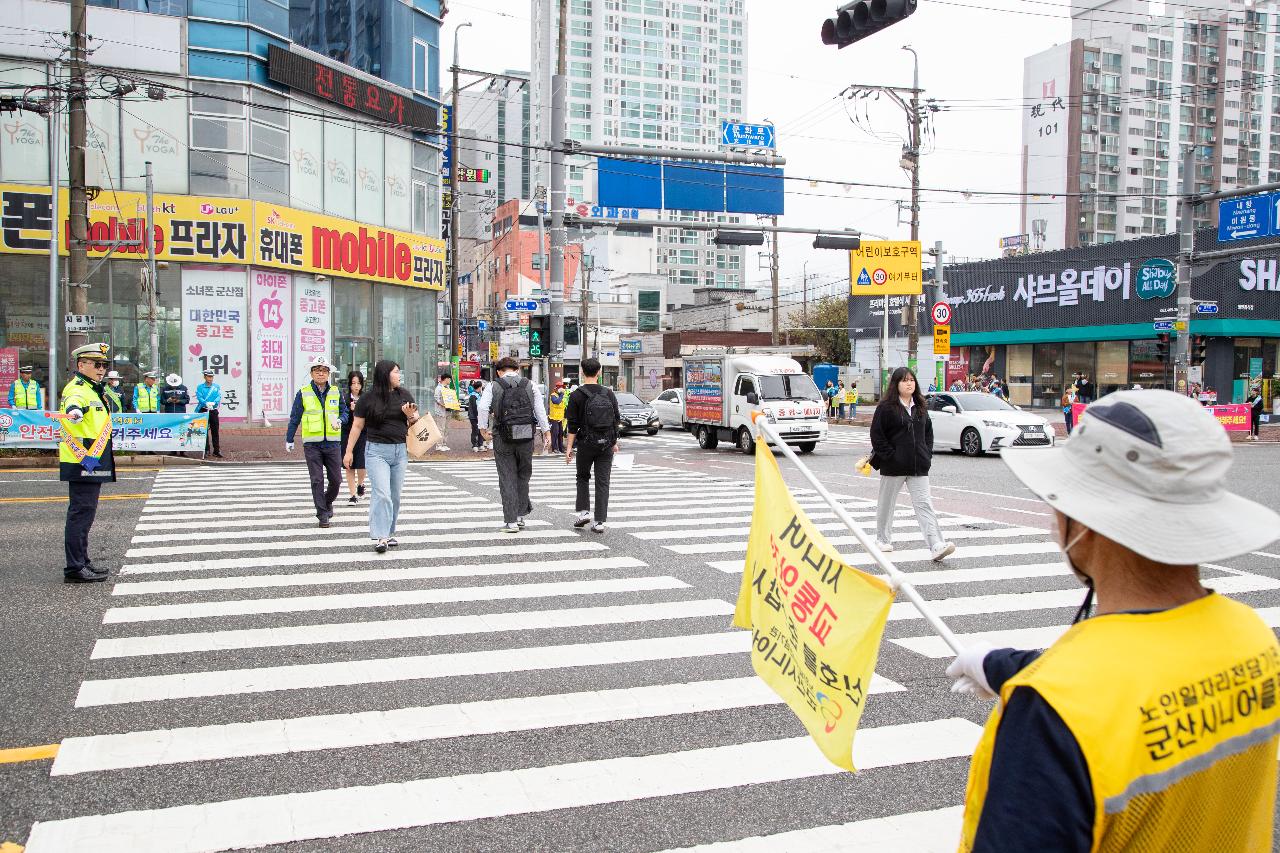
{"x":941,"y":314}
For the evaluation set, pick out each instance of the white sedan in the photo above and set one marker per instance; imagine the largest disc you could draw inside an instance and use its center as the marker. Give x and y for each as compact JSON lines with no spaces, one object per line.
{"x":670,"y":407}
{"x":975,"y":423}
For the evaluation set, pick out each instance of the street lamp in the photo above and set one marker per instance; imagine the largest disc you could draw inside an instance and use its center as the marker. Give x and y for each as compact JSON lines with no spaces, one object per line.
{"x":455,"y":199}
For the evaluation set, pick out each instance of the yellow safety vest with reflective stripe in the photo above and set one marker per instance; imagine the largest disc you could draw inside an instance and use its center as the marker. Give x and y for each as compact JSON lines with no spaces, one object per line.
{"x":79,"y":393}
{"x":114,"y":396}
{"x":1177,"y":714}
{"x":26,"y":395}
{"x":321,"y":421}
{"x":557,"y":409}
{"x":147,"y":399}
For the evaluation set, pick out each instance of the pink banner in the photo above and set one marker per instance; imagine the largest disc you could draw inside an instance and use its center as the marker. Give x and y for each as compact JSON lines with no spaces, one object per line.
{"x":271,"y":351}
{"x":1235,"y":417}
{"x":8,"y":372}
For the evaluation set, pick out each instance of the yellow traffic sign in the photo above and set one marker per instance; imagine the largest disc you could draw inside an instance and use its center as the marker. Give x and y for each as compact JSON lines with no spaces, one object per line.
{"x":1179,"y":325}
{"x":942,"y":340}
{"x":493,"y":351}
{"x":883,"y":267}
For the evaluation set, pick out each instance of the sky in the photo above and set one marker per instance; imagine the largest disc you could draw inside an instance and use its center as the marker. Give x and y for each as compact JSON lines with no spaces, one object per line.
{"x":971,"y":54}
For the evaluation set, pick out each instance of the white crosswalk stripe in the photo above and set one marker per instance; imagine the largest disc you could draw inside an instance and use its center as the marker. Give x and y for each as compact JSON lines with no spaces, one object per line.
{"x":386,"y":683}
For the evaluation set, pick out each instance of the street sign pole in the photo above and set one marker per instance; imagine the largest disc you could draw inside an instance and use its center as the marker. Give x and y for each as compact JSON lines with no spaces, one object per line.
{"x":1186,"y":245}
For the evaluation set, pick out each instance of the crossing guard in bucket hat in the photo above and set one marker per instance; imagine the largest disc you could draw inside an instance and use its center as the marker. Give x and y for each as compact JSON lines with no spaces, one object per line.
{"x":1153,"y":725}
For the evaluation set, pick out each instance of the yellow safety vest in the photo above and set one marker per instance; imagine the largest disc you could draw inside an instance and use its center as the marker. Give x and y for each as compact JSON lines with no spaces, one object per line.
{"x":114,"y":396}
{"x":557,"y":409}
{"x":78,"y":392}
{"x":320,"y":422}
{"x":1177,"y":715}
{"x":148,"y":398}
{"x":26,"y":395}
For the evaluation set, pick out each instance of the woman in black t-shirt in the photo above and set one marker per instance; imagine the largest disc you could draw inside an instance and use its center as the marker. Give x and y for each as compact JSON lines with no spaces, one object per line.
{"x":355,"y":471}
{"x":383,"y":417}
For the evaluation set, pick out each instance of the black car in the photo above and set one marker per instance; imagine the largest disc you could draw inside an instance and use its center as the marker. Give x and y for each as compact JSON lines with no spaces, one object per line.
{"x":636,"y":414}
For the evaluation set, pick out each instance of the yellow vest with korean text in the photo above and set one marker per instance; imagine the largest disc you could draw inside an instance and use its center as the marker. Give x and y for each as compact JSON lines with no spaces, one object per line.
{"x":557,"y":409}
{"x":148,"y":398}
{"x":26,"y":395}
{"x":320,"y":420}
{"x":1177,"y":715}
{"x":78,"y":392}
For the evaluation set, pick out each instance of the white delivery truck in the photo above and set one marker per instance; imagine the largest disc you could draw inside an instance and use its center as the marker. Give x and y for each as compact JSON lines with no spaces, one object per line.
{"x":722,"y":388}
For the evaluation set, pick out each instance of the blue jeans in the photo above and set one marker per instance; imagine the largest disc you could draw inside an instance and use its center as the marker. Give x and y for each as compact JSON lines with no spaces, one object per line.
{"x":386,"y":464}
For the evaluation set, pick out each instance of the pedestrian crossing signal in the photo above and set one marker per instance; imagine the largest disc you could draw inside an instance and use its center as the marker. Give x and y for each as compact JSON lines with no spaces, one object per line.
{"x":864,"y":279}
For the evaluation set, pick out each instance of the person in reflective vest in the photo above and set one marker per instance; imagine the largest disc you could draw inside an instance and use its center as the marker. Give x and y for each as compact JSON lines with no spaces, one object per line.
{"x":1152,"y":725}
{"x":25,"y":393}
{"x":320,"y":410}
{"x":85,"y":460}
{"x":146,"y":397}
{"x":112,"y":391}
{"x":559,"y":401}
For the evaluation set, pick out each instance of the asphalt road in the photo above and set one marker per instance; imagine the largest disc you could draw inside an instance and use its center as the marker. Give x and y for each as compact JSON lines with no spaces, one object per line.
{"x":525,"y":729}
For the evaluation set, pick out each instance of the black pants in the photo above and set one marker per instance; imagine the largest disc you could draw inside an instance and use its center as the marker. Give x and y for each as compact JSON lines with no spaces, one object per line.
{"x":215,"y":445}
{"x":323,"y":457}
{"x":599,"y":457}
{"x":477,"y":440}
{"x":1255,"y":421}
{"x":514,"y":460}
{"x":82,"y":506}
{"x":557,"y":436}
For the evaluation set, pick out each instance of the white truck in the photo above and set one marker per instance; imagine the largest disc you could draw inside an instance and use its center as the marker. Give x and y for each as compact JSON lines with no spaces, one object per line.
{"x":722,"y":388}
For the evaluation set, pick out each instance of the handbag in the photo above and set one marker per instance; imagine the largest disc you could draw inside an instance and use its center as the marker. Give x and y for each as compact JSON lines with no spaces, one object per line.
{"x":423,"y":435}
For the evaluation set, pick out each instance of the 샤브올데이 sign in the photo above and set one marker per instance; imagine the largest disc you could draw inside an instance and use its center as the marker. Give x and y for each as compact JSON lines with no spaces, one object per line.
{"x":815,"y":621}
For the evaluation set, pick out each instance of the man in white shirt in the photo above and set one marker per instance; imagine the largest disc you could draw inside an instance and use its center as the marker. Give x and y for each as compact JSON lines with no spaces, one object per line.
{"x":518,"y":412}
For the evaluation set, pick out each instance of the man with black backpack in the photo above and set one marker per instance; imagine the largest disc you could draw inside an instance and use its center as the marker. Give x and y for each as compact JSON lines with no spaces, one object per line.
{"x":517,"y":414}
{"x":593,"y":426}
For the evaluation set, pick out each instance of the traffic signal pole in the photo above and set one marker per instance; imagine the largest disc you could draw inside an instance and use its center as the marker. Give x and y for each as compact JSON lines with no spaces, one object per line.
{"x":1186,"y":245}
{"x":558,"y":193}
{"x":455,"y":223}
{"x":913,"y":115}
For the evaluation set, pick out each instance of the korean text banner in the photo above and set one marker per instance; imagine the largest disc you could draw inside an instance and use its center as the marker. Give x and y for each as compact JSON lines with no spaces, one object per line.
{"x":174,"y":433}
{"x":883,"y":267}
{"x":226,"y":231}
{"x":815,"y":621}
{"x":1234,"y":417}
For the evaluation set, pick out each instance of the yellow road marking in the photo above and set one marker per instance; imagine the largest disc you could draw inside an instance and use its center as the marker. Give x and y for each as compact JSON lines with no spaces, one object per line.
{"x":10,"y":847}
{"x":27,"y":753}
{"x":137,"y":497}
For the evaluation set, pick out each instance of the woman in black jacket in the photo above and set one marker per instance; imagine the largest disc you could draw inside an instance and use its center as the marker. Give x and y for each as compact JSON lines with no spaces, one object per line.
{"x":902,"y":450}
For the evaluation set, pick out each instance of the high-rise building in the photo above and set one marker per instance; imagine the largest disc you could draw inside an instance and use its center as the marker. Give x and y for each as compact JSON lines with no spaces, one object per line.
{"x":495,"y":133}
{"x":1107,"y":115}
{"x":661,"y":73}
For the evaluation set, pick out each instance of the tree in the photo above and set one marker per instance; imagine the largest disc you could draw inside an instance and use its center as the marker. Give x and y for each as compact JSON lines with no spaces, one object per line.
{"x":826,"y":327}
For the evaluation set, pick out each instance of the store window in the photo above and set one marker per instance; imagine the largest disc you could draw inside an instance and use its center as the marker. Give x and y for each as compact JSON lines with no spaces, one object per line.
{"x":1047,"y":361}
{"x":1146,"y":367}
{"x":1018,"y":373}
{"x":1113,"y":367}
{"x":1080,"y":359}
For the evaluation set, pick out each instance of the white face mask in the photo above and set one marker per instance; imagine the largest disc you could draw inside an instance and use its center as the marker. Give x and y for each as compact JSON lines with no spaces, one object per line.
{"x":1080,"y":576}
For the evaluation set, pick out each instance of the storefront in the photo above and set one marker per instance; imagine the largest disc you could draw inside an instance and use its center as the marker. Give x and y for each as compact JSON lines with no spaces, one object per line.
{"x":1036,"y":321}
{"x":250,"y":290}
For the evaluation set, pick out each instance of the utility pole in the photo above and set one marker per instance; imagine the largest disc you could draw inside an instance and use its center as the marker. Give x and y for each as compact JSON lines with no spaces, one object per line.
{"x":939,"y":295}
{"x":773,"y":277}
{"x":55,"y":233}
{"x":1186,"y":245}
{"x":78,"y":211}
{"x":584,"y":308}
{"x":559,"y":133}
{"x":913,"y":301}
{"x":455,"y":223}
{"x":152,"y":282}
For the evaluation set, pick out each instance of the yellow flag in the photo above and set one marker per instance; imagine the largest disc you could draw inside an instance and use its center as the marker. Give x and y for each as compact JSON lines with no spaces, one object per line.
{"x":815,"y":621}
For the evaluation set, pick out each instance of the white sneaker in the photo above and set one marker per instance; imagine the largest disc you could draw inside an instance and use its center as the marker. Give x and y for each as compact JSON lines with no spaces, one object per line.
{"x":488,"y":445}
{"x":443,"y":448}
{"x":885,"y":546}
{"x":583,"y":519}
{"x":511,"y":528}
{"x":943,"y":550}
{"x":598,"y":527}
{"x":520,"y":522}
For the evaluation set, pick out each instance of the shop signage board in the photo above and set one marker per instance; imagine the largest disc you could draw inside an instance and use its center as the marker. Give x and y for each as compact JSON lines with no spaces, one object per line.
{"x":271,"y":316}
{"x":881,"y":267}
{"x":80,"y":322}
{"x":214,"y":336}
{"x":312,"y":310}
{"x":337,"y":87}
{"x":228,"y":231}
{"x":1156,"y":279}
{"x":8,"y":372}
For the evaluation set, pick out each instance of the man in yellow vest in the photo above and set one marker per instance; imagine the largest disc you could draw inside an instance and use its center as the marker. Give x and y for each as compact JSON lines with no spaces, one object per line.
{"x":25,"y":393}
{"x":559,"y":401}
{"x":146,"y":397}
{"x":1152,"y":725}
{"x":85,"y":460}
{"x":320,"y":410}
{"x":112,"y":391}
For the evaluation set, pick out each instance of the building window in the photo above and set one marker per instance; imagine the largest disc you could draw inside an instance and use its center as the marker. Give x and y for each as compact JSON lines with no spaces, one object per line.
{"x":421,"y":53}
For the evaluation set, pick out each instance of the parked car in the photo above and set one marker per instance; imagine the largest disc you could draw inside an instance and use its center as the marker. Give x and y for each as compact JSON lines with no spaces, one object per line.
{"x":636,"y":414}
{"x":670,"y":408}
{"x":974,"y":423}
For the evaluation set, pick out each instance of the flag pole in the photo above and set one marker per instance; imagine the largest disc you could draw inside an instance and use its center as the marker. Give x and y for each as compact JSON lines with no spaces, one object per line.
{"x":897,"y":579}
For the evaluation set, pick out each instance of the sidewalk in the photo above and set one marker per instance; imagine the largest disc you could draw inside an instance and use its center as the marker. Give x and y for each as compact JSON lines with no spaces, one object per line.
{"x":266,"y":444}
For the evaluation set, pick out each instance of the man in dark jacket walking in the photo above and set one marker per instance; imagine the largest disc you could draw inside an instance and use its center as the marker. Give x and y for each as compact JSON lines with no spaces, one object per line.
{"x":902,"y":444}
{"x":593,"y":429}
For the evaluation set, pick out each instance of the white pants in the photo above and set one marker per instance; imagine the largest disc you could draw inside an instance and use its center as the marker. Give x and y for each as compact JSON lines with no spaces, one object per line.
{"x":918,"y":488}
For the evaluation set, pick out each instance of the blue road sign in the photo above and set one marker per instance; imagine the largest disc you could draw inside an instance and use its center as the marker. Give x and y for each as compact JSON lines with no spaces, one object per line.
{"x":741,"y":135}
{"x":1247,"y":218}
{"x":1163,"y":325}
{"x":482,"y":325}
{"x":522,"y":305}
{"x":1207,"y":309}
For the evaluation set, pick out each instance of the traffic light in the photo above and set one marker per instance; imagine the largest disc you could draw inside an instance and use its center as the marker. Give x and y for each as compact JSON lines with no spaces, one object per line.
{"x":1198,"y":345}
{"x":832,"y":241}
{"x":539,"y":337}
{"x":1162,"y":346}
{"x":739,"y":238}
{"x":855,"y":21}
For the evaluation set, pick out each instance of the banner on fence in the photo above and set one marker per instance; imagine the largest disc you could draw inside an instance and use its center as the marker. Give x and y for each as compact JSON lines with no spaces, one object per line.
{"x":170,"y":433}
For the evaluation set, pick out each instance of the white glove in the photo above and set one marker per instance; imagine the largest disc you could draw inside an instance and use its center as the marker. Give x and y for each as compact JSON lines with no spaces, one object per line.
{"x":75,"y":416}
{"x":288,"y":446}
{"x":968,"y":673}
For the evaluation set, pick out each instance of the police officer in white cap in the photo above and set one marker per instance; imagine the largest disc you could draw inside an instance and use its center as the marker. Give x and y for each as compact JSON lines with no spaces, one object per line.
{"x":1152,"y":725}
{"x":85,"y":460}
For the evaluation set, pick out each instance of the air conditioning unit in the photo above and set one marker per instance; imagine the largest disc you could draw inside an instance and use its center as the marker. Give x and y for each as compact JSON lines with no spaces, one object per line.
{"x":1095,"y":66}
{"x":1115,"y":108}
{"x":1091,"y":186}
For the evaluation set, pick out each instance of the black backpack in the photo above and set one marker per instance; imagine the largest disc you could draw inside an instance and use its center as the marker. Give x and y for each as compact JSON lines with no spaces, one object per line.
{"x":599,"y":414}
{"x":513,"y":410}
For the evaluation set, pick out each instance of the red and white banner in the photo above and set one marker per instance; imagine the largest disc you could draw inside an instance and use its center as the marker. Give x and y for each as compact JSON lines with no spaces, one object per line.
{"x":271,"y":352}
{"x":1234,"y":417}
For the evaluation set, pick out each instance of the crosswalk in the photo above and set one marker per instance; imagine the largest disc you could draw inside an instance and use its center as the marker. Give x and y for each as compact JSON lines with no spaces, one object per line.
{"x":674,"y":439}
{"x":261,"y":682}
